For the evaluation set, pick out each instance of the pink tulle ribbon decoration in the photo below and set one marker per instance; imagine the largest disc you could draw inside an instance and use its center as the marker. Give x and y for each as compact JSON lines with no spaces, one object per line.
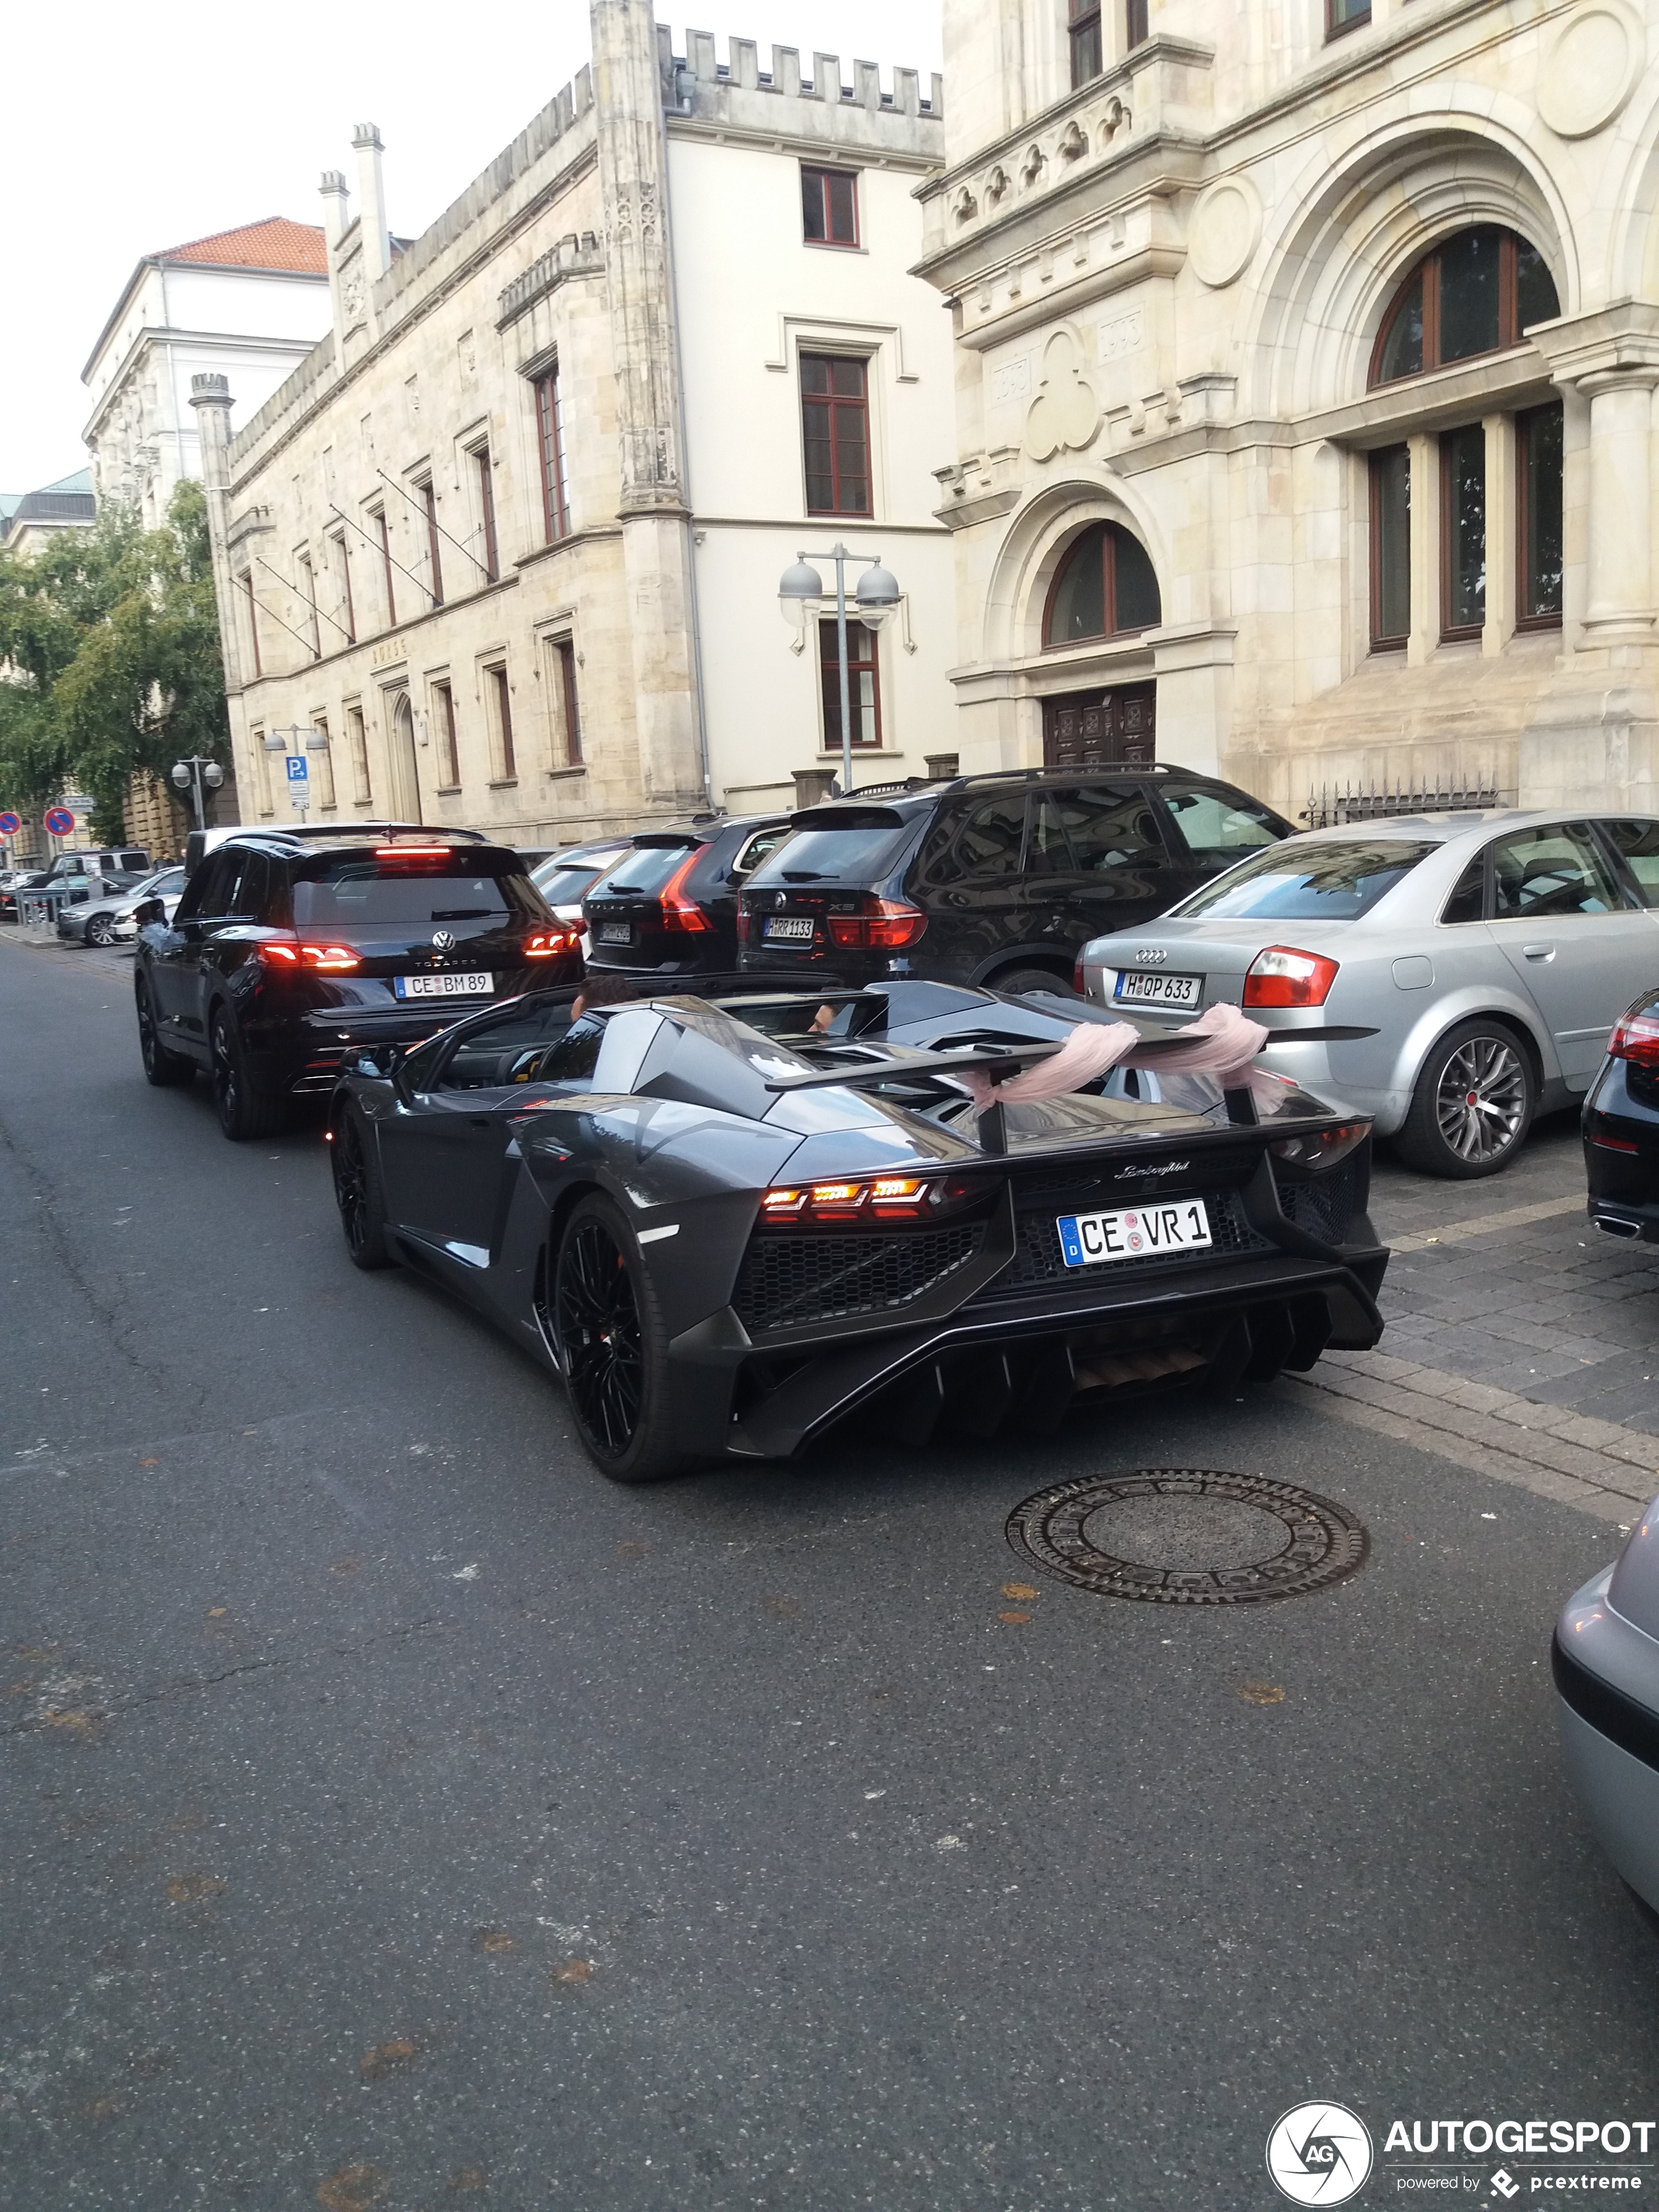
{"x":1219,"y":1043}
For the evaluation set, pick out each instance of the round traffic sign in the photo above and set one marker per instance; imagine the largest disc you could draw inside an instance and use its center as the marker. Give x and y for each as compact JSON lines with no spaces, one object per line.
{"x":10,"y":824}
{"x":60,"y":822}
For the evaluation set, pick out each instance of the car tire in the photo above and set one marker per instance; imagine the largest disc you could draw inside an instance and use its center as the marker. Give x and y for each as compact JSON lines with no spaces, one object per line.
{"x":168,"y":1070}
{"x":99,"y":930}
{"x":360,"y":1194}
{"x":1472,"y":1105}
{"x":613,"y":1348}
{"x":1032,"y":979}
{"x":244,"y":1110}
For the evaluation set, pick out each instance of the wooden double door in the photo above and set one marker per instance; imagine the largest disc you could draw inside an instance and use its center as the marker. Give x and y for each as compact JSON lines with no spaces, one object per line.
{"x":1101,"y":729}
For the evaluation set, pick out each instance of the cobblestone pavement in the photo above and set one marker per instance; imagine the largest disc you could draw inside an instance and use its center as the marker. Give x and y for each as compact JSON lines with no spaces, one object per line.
{"x":1519,"y":1340}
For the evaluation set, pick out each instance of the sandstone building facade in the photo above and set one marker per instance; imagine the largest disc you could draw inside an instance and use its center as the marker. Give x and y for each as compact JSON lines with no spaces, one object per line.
{"x":504,"y":550}
{"x":1306,"y":360}
{"x":248,"y":304}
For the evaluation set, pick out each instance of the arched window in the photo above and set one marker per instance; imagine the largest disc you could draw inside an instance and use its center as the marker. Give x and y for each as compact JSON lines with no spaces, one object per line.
{"x":1105,"y":588}
{"x":1476,"y":293}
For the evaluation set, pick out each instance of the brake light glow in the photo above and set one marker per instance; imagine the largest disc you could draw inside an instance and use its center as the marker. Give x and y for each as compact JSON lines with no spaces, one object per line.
{"x":413,"y":851}
{"x":1282,"y":977}
{"x":317,"y":959}
{"x":1636,"y":1037}
{"x":1614,"y":1144}
{"x":883,"y":927}
{"x":887,"y":1198}
{"x":680,"y":912}
{"x":548,"y":944}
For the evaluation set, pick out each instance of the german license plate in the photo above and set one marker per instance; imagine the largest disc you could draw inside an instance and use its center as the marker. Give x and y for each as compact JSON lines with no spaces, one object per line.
{"x":616,"y":932}
{"x":1150,"y":989}
{"x":449,"y":985}
{"x":788,"y":928}
{"x":1139,"y":1233}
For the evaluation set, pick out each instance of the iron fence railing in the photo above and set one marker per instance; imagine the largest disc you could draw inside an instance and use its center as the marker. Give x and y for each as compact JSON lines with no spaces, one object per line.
{"x":1326,"y":807}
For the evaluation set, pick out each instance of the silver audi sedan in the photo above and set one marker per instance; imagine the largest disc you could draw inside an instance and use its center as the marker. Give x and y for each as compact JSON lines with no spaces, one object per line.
{"x":1455,"y":972}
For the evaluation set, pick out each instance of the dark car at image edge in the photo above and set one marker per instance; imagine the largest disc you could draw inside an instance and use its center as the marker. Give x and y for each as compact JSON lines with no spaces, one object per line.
{"x":998,"y":879}
{"x":288,"y":952}
{"x":1620,"y":1126}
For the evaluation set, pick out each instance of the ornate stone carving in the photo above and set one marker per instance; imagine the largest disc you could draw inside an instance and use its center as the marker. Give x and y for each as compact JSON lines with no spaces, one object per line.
{"x":1224,"y":230}
{"x":964,"y":206}
{"x":1590,"y":69}
{"x":1072,"y":141}
{"x":1031,"y":168}
{"x":1065,"y":416}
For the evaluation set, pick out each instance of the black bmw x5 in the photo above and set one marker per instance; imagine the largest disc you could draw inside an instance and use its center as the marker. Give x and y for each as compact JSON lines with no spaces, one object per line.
{"x":288,"y":952}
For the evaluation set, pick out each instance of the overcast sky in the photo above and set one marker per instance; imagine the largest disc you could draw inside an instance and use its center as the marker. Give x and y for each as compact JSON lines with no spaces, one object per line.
{"x":132,"y":128}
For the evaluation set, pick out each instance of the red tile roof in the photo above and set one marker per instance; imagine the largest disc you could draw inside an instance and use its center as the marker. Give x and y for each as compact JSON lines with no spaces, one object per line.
{"x":276,"y":243}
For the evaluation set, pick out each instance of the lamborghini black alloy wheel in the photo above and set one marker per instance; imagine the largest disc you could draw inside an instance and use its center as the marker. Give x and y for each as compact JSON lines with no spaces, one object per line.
{"x":357,"y":1194}
{"x":600,"y":1337}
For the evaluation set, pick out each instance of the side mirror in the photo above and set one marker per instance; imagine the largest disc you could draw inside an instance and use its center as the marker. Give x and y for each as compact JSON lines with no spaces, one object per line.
{"x":377,"y":1060}
{"x":151,"y":909}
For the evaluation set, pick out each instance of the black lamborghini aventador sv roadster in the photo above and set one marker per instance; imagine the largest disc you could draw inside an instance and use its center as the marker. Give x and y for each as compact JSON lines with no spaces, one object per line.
{"x":728,"y":1224}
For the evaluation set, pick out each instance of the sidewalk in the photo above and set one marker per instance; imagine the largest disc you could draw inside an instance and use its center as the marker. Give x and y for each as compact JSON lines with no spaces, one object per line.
{"x":1519,"y":1340}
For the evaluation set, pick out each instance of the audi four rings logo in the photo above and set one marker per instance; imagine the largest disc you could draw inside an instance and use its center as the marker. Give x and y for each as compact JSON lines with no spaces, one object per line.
{"x":1152,"y":955}
{"x":443,"y":939}
{"x":1319,"y":2155}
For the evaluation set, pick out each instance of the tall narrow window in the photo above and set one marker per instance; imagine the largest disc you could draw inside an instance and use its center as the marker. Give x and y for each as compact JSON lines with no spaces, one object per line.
{"x":322,"y":761}
{"x":247,"y":580}
{"x":863,"y":685}
{"x":830,"y":207}
{"x":1134,"y":24}
{"x":1463,"y":532}
{"x":1082,"y":31}
{"x":357,"y":747}
{"x":434,"y":565}
{"x":501,"y":701}
{"x":443,"y":721}
{"x":342,"y":571}
{"x":308,"y":593}
{"x":549,"y":440}
{"x":834,"y":408}
{"x":383,"y":538}
{"x":487,"y":511}
{"x":256,"y":737}
{"x":1391,"y":547}
{"x":1104,"y":587}
{"x":563,"y":701}
{"x":1538,"y":534}
{"x":1345,"y":15}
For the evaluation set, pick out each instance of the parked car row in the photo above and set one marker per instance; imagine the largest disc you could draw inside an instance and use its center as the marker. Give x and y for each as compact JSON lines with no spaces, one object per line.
{"x":76,"y":876}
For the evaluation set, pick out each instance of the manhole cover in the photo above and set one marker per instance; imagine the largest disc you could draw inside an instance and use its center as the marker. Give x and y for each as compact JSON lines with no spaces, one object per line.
{"x":1182,"y":1535}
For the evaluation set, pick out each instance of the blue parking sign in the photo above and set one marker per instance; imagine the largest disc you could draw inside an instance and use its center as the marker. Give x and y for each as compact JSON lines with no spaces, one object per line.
{"x":299,"y":771}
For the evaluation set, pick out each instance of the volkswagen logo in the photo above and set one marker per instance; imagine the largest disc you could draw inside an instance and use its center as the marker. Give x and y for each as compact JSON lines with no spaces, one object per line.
{"x":443,"y":939}
{"x":1152,"y":955}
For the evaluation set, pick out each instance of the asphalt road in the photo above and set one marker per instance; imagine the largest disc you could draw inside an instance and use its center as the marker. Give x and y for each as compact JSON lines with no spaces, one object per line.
{"x":396,"y":1814}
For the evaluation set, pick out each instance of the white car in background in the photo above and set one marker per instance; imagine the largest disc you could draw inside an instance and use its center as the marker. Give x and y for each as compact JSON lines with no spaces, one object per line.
{"x":109,"y":920}
{"x":1454,"y":973}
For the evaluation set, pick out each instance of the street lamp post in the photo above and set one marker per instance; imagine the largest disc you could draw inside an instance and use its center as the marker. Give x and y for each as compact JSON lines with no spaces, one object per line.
{"x":800,"y":594}
{"x":193,"y":773}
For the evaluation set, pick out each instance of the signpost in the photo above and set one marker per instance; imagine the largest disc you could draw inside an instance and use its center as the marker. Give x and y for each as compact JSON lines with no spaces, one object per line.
{"x":299,"y":780}
{"x":59,"y":822}
{"x":10,"y":824}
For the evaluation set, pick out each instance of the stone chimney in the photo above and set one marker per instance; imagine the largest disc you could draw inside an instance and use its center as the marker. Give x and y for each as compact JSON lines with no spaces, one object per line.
{"x":209,"y":395}
{"x":333,"y":190}
{"x":371,"y":200}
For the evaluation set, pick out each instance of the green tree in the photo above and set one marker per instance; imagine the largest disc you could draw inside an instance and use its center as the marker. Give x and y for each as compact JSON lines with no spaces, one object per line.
{"x":113,"y":638}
